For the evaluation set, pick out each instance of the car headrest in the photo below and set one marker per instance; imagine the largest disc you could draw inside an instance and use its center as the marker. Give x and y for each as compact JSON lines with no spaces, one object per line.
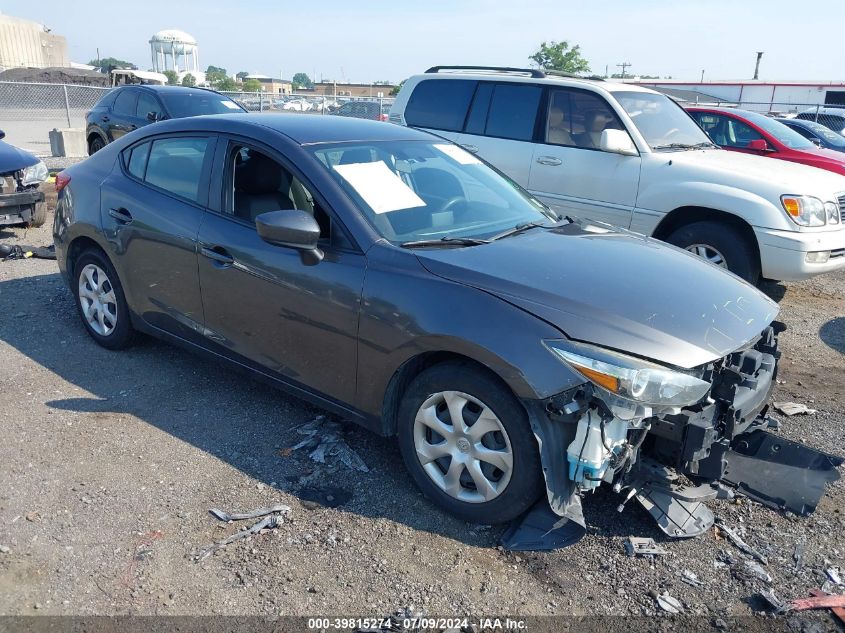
{"x":259,"y":174}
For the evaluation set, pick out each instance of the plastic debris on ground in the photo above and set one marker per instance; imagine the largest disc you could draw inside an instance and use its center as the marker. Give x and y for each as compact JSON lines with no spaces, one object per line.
{"x":273,"y":518}
{"x":669,"y":604}
{"x":778,"y":605}
{"x":793,"y":408}
{"x":750,"y":571}
{"x":636,"y":546}
{"x":834,"y":574}
{"x":690,"y":578}
{"x":16,"y":251}
{"x":741,"y":545}
{"x":324,"y":441}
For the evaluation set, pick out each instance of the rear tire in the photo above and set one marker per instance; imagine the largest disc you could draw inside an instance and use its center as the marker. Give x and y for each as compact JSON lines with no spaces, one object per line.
{"x":724,"y":244}
{"x":100,"y":301}
{"x":487,"y":468}
{"x":95,"y":145}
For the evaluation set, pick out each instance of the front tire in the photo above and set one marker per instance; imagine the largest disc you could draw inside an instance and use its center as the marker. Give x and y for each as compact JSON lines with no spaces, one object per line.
{"x":467,"y":444}
{"x":100,"y":301}
{"x":95,"y":145}
{"x":721,"y":244}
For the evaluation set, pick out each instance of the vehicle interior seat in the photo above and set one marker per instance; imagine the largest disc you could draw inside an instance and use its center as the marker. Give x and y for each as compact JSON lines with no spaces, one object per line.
{"x":262,"y":185}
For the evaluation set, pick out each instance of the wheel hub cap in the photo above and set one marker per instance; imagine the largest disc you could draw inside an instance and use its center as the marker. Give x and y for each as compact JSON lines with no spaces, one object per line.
{"x":97,"y":299}
{"x":463,"y":447}
{"x":709,"y":253}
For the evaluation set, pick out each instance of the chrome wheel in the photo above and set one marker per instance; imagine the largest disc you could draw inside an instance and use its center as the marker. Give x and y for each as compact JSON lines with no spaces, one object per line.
{"x":709,"y":253}
{"x":463,"y":447}
{"x":97,"y":298}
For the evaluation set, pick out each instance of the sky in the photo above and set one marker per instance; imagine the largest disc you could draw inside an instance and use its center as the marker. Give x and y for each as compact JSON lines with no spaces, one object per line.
{"x":364,"y":40}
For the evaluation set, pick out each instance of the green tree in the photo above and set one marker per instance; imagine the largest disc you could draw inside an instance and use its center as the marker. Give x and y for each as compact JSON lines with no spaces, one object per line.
{"x":242,"y":75}
{"x":225,"y":84}
{"x":396,"y":89}
{"x":559,"y":56}
{"x":108,"y":64}
{"x":214,"y":75}
{"x":172,"y":77}
{"x":189,"y":80}
{"x":251,"y":85}
{"x":301,"y":80}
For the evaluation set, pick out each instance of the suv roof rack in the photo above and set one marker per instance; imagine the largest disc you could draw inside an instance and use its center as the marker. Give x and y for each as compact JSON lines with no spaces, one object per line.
{"x":533,"y":72}
{"x":536,"y":74}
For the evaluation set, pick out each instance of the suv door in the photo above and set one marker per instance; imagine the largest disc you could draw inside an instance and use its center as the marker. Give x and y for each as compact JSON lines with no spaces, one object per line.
{"x":122,"y":119}
{"x":569,"y":170}
{"x":263,"y":306}
{"x":500,"y":126}
{"x":151,"y":208}
{"x":440,"y":106}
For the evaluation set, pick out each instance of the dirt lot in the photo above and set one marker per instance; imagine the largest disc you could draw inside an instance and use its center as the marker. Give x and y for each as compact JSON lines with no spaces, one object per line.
{"x":111,"y":460}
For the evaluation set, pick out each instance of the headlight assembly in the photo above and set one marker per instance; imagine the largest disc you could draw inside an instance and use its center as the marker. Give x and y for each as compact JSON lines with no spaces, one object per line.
{"x":34,"y":174}
{"x":805,"y":210}
{"x":630,"y":378}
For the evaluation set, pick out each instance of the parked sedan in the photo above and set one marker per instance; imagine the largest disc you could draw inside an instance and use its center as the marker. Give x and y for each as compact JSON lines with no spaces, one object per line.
{"x":816,"y":133}
{"x":402,"y":283}
{"x":755,"y":133}
{"x":129,"y":107}
{"x":21,"y":174}
{"x":832,"y":117}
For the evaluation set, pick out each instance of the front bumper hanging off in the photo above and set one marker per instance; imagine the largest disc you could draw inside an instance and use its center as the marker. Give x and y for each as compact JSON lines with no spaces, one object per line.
{"x":715,"y":449}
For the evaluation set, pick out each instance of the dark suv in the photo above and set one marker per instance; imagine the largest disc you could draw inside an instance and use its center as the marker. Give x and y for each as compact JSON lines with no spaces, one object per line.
{"x":129,"y":107}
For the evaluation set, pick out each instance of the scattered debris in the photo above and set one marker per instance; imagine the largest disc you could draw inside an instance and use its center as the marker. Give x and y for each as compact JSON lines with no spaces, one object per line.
{"x":323,"y":440}
{"x":741,"y":545}
{"x":269,"y":522}
{"x":834,"y":574}
{"x":750,"y":570}
{"x":777,"y":604}
{"x":798,"y":554}
{"x":240,"y":516}
{"x":690,"y":578}
{"x":794,"y":408}
{"x":636,"y":546}
{"x":16,"y":251}
{"x":32,"y":517}
{"x":669,"y":604}
{"x":4,"y":549}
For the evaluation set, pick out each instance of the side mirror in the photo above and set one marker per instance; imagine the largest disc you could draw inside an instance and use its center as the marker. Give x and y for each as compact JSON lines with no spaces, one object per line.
{"x":155,"y":116}
{"x":758,"y":145}
{"x":2,"y":135}
{"x":294,"y":229}
{"x":617,"y":142}
{"x":815,"y":141}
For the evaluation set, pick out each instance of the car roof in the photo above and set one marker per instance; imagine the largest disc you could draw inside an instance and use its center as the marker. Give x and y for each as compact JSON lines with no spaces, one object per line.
{"x":171,"y":89}
{"x":304,"y":129}
{"x":523,"y":76}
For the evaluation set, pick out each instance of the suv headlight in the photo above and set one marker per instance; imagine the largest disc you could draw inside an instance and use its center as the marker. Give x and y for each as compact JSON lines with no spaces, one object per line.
{"x":805,"y":210}
{"x":831,"y":209}
{"x":630,"y":378}
{"x":34,"y":174}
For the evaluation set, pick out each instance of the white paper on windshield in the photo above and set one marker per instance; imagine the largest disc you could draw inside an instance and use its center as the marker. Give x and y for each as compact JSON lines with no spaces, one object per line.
{"x":456,"y":153}
{"x":380,"y":188}
{"x":231,"y":105}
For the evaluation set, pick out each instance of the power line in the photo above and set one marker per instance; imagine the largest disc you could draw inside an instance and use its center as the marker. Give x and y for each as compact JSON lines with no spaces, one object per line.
{"x":624,"y":66}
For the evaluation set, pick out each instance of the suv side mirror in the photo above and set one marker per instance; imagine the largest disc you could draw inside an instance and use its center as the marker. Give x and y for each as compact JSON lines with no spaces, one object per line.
{"x":294,"y":229}
{"x":2,"y":135}
{"x":617,"y":142}
{"x":758,"y":145}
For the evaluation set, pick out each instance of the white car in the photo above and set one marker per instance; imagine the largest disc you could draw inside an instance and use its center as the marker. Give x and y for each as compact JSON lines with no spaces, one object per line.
{"x":632,"y":157}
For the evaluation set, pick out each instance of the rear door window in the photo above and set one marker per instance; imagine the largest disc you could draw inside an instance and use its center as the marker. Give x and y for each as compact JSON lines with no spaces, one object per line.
{"x":176,"y":165}
{"x":147,"y":104}
{"x":136,"y":162}
{"x":124,"y":103}
{"x":513,"y":111}
{"x":440,"y":104}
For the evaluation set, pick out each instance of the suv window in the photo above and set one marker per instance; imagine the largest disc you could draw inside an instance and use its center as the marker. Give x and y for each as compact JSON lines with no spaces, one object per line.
{"x":175,"y":165}
{"x":440,"y":104}
{"x":147,"y":103}
{"x":124,"y":103}
{"x":513,"y":111}
{"x":579,"y":117}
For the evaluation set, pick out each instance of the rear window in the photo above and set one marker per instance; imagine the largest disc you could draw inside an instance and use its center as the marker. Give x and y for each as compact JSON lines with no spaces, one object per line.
{"x":513,"y":111}
{"x":185,"y":104}
{"x":440,"y":104}
{"x":124,"y":103}
{"x":175,"y":165}
{"x":137,"y":162}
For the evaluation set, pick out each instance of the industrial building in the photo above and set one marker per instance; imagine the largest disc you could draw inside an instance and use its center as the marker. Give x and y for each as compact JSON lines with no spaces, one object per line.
{"x":24,"y":43}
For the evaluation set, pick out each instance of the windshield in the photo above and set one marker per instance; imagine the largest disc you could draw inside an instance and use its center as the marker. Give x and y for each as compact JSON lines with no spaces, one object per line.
{"x":185,"y":104}
{"x":782,"y":133}
{"x":662,"y":122}
{"x":419,"y":190}
{"x":826,"y":134}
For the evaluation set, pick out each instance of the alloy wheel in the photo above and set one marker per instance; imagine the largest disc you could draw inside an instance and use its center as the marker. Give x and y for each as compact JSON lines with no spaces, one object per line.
{"x":97,"y":298}
{"x":463,"y":447}
{"x":709,"y":253}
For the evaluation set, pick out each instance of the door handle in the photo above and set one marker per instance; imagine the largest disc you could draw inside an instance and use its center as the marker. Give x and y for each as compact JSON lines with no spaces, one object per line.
{"x":218,"y":254}
{"x":121,"y":215}
{"x":472,"y":149}
{"x":104,"y":118}
{"x":549,"y":160}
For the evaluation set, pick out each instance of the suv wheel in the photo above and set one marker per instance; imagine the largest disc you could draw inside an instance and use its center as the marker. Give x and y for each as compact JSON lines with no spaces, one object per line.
{"x":95,"y":145}
{"x":720,"y":244}
{"x":467,"y":444}
{"x":100,"y":301}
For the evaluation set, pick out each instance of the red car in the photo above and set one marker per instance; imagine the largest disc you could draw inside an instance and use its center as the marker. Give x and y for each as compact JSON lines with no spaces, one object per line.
{"x":755,"y":133}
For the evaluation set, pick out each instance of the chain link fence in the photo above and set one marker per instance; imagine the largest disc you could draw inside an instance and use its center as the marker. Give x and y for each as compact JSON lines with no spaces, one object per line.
{"x":28,"y":111}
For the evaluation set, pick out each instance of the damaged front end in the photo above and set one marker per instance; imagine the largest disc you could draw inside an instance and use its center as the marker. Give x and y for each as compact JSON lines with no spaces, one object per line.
{"x":672,"y":439}
{"x":21,"y":174}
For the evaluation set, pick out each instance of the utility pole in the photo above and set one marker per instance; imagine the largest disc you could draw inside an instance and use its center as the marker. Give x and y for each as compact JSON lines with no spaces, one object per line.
{"x":702,"y":75}
{"x":623,"y":66}
{"x":757,"y":66}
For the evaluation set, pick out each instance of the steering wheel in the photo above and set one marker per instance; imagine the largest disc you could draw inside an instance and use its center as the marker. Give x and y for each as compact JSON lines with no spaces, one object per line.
{"x":451,"y":202}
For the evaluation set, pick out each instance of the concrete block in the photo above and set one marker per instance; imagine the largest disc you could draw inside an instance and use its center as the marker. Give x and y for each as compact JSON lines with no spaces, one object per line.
{"x":68,"y":142}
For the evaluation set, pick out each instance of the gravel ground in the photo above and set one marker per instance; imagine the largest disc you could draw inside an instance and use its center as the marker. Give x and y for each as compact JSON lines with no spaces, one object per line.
{"x":111,"y":460}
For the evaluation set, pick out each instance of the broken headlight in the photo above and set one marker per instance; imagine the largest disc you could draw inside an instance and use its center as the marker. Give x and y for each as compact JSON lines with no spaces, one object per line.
{"x":630,"y":378}
{"x":34,"y":174}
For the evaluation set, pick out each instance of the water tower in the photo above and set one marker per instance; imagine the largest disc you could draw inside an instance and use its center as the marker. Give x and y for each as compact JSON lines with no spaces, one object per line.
{"x":175,"y":50}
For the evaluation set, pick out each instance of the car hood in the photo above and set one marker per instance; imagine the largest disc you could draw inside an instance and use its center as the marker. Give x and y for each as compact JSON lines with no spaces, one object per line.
{"x":615,"y":289}
{"x":736,"y":167}
{"x":13,"y":158}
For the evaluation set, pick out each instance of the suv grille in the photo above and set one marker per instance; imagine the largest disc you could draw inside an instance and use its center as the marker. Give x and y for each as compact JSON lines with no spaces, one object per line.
{"x":842,"y":208}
